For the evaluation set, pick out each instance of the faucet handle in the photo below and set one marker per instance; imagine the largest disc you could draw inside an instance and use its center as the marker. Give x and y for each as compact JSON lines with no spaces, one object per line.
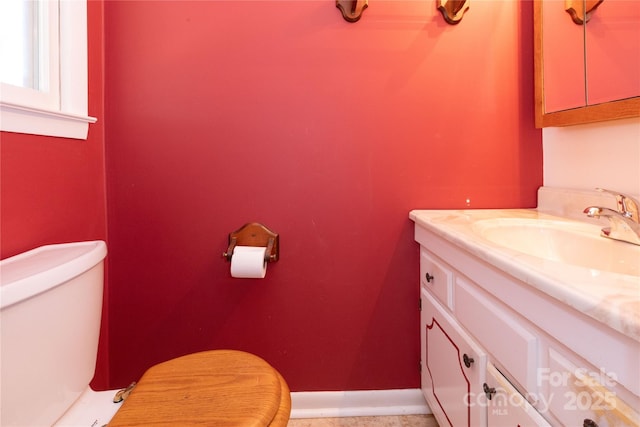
{"x":626,"y":205}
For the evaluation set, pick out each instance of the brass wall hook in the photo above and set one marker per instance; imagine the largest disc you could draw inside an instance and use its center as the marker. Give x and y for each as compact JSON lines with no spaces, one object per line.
{"x":581,"y":10}
{"x":352,"y":9}
{"x":453,"y":10}
{"x":254,"y":234}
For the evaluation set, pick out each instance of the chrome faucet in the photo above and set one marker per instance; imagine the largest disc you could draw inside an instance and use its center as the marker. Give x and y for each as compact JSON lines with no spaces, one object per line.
{"x":625,"y":224}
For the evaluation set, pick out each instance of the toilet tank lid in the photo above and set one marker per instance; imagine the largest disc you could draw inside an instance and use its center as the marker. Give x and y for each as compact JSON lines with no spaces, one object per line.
{"x":35,"y":271}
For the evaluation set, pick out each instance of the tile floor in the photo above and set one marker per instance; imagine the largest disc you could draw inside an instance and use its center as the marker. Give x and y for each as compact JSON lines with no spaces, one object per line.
{"x":390,"y":421}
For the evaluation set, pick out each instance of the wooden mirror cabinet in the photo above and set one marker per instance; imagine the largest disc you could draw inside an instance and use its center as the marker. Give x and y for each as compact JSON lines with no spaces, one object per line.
{"x":587,"y":71}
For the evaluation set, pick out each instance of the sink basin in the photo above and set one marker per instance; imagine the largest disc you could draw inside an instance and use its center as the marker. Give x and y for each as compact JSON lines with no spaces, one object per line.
{"x":573,"y":243}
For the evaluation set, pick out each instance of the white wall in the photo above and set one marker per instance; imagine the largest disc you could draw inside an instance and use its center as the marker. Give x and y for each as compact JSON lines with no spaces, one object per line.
{"x":597,"y":155}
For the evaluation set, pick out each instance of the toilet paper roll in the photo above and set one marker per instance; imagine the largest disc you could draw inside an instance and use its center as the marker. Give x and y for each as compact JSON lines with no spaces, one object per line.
{"x":248,"y":262}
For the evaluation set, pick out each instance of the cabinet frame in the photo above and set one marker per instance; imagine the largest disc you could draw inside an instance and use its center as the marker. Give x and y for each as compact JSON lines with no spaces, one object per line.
{"x":613,"y":110}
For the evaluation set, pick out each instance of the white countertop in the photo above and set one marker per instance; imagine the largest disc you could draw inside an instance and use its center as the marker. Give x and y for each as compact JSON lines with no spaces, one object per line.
{"x":610,"y":298}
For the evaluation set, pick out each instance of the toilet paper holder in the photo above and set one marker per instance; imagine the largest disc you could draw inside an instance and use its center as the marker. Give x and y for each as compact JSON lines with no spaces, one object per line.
{"x":254,"y":234}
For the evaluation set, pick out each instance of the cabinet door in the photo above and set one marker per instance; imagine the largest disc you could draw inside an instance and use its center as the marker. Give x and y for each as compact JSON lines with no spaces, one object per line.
{"x":507,"y":407}
{"x":563,"y":68}
{"x":612,"y":46}
{"x":453,"y":368}
{"x":500,"y":332}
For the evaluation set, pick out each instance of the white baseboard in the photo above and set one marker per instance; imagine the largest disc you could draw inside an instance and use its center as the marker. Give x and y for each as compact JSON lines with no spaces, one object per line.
{"x":329,"y":404}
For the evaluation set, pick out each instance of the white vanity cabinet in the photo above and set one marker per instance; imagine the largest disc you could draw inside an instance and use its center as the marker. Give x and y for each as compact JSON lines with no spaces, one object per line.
{"x":497,"y":352}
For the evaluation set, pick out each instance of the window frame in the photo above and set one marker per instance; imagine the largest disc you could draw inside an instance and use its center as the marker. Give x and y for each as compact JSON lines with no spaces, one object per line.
{"x":66,"y":115}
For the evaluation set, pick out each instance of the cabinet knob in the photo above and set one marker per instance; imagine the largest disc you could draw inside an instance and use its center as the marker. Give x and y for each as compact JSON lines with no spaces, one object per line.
{"x":589,"y":423}
{"x":429,"y":277}
{"x":490,"y":391}
{"x":467,"y":360}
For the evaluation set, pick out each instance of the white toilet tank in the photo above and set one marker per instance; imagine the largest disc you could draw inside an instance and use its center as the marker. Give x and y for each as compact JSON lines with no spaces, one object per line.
{"x":50,"y":309}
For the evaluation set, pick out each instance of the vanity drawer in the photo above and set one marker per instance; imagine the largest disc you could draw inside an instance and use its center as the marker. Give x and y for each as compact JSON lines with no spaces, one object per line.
{"x":435,"y":277}
{"x":507,"y":407}
{"x":500,"y":333}
{"x":577,"y":392}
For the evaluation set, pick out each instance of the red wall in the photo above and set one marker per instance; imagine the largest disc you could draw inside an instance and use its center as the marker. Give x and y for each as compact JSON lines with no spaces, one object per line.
{"x":53,"y":189}
{"x":223,"y":112}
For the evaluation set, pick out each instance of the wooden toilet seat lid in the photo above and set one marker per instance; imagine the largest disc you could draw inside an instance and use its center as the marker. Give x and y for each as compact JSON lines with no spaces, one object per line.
{"x":218,"y":388}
